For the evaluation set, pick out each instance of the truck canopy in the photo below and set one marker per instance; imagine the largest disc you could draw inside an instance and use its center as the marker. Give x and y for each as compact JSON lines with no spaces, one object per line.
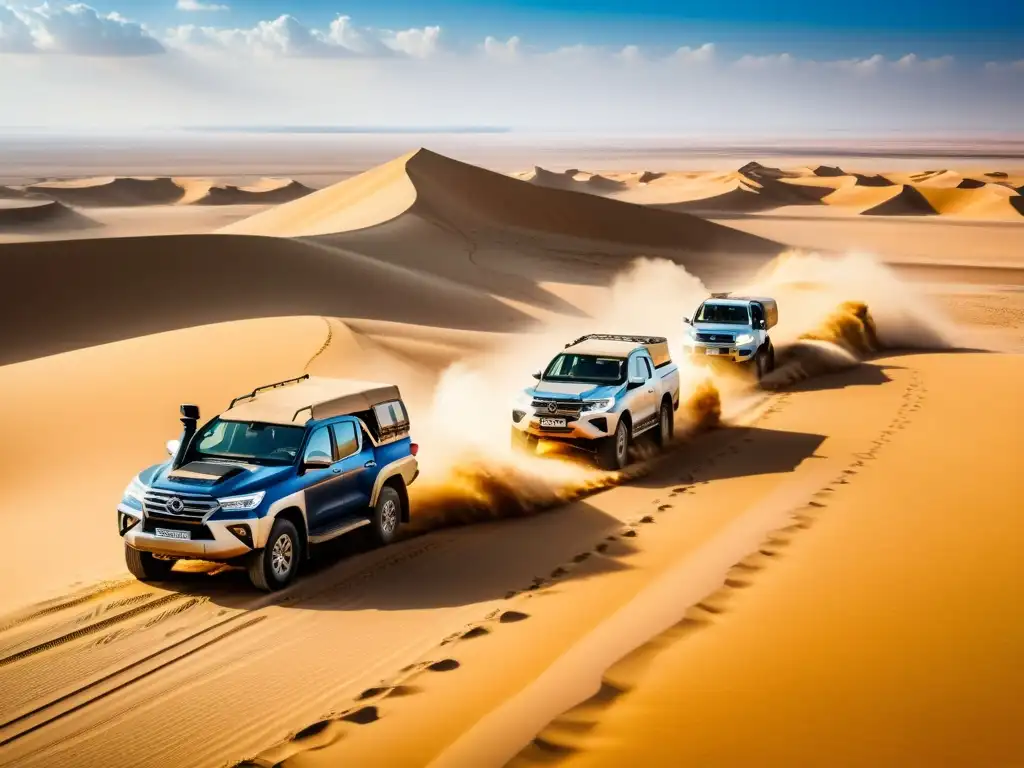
{"x":296,"y":401}
{"x":621,"y":346}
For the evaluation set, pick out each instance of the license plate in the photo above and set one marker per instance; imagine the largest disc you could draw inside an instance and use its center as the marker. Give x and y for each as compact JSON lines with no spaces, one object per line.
{"x":712,"y":351}
{"x":552,"y":422}
{"x":168,"y":533}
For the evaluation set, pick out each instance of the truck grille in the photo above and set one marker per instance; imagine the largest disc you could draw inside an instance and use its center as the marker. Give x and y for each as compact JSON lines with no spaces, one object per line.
{"x":562,"y":407}
{"x":716,"y":338}
{"x":162,"y":505}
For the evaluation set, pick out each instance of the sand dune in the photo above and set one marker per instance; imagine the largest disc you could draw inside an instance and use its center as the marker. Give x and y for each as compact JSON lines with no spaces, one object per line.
{"x":262,"y":192}
{"x":755,"y":188}
{"x":111,"y":192}
{"x":686,"y":611}
{"x":433,"y":187}
{"x":31,"y":212}
{"x":102,"y":290}
{"x":123,"y":192}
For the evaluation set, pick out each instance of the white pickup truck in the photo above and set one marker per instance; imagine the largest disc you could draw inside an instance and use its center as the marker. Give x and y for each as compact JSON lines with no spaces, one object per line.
{"x":733,"y":328}
{"x":598,"y":394}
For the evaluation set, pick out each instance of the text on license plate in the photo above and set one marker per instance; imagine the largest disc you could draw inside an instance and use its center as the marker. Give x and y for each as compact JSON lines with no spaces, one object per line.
{"x":715,"y":351}
{"x":168,"y":533}
{"x":552,"y":422}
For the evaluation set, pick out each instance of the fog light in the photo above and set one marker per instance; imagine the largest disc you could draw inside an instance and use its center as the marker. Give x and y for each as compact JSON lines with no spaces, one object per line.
{"x":242,"y":533}
{"x":125,"y":522}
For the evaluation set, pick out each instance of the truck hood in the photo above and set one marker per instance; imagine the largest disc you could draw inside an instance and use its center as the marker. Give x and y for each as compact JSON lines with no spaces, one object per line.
{"x":574,"y":390}
{"x":722,"y":328}
{"x":214,"y":478}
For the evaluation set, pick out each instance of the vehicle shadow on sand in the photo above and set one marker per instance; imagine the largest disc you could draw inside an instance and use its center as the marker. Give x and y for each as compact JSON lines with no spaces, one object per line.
{"x":476,"y":562}
{"x":445,"y":567}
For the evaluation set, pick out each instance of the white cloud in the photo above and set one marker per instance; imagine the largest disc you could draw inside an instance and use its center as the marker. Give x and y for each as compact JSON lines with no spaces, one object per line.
{"x":195,"y":5}
{"x":15,"y":34}
{"x":287,"y":36}
{"x":763,"y":62}
{"x":74,"y":29}
{"x":704,"y":53}
{"x":418,"y":43}
{"x":508,"y":50}
{"x":1005,"y":66}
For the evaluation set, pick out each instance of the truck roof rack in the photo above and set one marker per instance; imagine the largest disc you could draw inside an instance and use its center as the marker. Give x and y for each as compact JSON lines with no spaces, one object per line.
{"x":265,"y":387}
{"x":615,"y":337}
{"x":725,"y":295}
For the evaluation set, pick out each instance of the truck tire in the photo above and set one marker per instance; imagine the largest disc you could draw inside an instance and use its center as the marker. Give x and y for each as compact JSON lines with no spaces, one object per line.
{"x":771,"y":357}
{"x":385,"y":518}
{"x":274,"y":567}
{"x":523,"y":441}
{"x":760,"y":364}
{"x":613,"y":451}
{"x":145,"y":566}
{"x":666,"y":425}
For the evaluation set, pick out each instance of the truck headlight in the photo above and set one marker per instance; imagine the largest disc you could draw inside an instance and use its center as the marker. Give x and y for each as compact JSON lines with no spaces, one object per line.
{"x":241,"y":503}
{"x":599,"y":406}
{"x":134,"y":491}
{"x":745,"y":338}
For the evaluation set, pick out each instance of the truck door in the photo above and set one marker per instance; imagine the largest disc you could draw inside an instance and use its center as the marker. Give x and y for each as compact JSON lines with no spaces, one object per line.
{"x":358,"y":468}
{"x":320,"y":484}
{"x":642,"y":399}
{"x":339,"y":490}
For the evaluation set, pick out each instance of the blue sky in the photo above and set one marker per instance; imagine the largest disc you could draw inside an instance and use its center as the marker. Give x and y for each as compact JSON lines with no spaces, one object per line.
{"x":755,"y":66}
{"x":981,"y":27}
{"x":969,"y":29}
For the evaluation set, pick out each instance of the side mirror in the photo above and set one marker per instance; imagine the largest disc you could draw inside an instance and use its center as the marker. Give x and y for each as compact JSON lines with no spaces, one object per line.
{"x":537,"y":375}
{"x":317,"y":462}
{"x":173,"y":446}
{"x":635,"y":381}
{"x":762,"y":324}
{"x":686,"y":321}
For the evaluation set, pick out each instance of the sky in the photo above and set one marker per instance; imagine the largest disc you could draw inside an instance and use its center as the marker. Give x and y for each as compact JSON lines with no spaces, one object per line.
{"x":722,"y":67}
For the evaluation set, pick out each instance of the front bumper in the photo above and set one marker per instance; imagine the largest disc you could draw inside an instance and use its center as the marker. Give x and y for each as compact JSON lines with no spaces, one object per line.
{"x":585,"y":426}
{"x":700,"y":352}
{"x":213,"y":540}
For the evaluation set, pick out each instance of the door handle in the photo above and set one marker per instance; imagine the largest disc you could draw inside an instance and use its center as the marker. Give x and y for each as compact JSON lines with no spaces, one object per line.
{"x":336,"y":470}
{"x":370,"y":463}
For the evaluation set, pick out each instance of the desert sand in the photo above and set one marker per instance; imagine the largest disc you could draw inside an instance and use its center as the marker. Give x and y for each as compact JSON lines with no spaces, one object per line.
{"x":820,"y":571}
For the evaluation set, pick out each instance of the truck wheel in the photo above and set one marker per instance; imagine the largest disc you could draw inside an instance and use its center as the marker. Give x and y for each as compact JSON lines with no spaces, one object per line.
{"x":760,"y":364}
{"x":275,"y":566}
{"x":385,"y":518}
{"x":145,"y":566}
{"x":613,"y":452}
{"x":771,"y":358}
{"x":666,"y":426}
{"x":523,"y":441}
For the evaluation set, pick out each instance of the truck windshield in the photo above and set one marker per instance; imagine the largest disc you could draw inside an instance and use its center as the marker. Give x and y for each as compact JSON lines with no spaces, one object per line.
{"x":589,"y":368}
{"x":259,"y":443}
{"x":732,"y":314}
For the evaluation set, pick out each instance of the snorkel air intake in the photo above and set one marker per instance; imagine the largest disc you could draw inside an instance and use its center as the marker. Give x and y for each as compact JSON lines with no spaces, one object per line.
{"x":189,"y":420}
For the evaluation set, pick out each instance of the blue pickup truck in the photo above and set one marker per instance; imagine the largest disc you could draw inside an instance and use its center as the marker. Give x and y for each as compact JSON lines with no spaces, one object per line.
{"x":287,"y":466}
